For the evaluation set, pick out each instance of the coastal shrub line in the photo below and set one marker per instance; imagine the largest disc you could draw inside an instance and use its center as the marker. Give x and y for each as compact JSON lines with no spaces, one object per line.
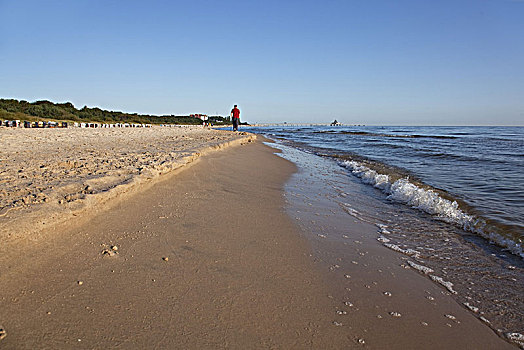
{"x":12,"y":109}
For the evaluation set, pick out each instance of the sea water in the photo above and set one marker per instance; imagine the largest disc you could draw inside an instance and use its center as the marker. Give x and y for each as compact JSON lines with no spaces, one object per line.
{"x":451,"y":198}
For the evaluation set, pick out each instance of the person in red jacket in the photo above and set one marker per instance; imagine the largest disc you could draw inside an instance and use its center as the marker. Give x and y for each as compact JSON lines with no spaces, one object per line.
{"x":235,"y":117}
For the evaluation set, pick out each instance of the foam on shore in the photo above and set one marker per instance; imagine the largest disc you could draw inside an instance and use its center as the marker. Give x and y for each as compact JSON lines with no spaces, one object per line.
{"x":429,"y":201}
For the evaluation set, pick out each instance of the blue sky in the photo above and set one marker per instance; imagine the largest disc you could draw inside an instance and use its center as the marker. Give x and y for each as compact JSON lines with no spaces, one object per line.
{"x":386,"y":62}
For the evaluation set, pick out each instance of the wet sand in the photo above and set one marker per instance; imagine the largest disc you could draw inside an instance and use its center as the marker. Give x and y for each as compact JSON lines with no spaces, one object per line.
{"x":208,"y":257}
{"x":386,"y":298}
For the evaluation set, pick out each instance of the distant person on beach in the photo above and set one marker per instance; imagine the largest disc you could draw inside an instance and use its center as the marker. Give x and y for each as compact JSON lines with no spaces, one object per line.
{"x":235,"y":117}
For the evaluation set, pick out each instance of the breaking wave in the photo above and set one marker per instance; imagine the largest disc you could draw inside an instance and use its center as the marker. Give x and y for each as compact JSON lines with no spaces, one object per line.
{"x":429,"y":201}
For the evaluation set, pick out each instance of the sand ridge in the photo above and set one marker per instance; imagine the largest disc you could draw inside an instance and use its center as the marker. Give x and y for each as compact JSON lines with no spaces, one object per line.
{"x":49,"y":176}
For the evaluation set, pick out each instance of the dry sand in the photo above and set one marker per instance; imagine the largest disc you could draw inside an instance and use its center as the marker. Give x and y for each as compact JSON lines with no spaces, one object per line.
{"x":208,"y":258}
{"x":48,"y":176}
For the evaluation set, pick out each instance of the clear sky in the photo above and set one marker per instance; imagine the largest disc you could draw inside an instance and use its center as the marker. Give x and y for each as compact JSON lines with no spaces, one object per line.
{"x":417,"y":62}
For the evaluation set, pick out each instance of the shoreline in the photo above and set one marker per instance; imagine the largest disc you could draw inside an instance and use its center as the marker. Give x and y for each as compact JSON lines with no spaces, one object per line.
{"x":211,"y":258}
{"x":387,"y":296}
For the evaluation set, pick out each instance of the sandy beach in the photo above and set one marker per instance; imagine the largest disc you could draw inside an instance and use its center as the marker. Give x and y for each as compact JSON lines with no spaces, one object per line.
{"x":49,"y":176}
{"x":114,"y":241}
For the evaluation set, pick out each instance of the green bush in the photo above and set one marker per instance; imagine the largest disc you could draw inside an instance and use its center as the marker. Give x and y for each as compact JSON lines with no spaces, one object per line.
{"x":45,"y":110}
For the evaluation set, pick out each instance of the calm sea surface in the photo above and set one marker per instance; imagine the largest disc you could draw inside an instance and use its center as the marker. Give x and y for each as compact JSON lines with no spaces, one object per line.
{"x":450,"y":198}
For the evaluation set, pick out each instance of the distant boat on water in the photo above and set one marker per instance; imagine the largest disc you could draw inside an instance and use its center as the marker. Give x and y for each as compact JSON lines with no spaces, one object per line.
{"x":335,"y":123}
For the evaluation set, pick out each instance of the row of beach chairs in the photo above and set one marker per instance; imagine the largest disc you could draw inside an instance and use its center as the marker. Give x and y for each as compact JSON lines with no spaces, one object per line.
{"x":28,"y":124}
{"x":50,"y":124}
{"x":117,"y":125}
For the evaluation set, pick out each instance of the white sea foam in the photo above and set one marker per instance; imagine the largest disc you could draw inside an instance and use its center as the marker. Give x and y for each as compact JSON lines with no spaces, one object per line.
{"x":383,"y":239}
{"x":347,"y":208}
{"x":484,"y":319}
{"x":407,"y":251}
{"x":448,"y":285}
{"x":421,"y":268}
{"x":516,"y":337}
{"x":383,"y":228}
{"x":429,"y":201}
{"x":471,"y":307}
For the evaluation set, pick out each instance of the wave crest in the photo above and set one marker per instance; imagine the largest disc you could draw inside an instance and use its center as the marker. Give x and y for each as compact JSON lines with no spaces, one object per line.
{"x":429,"y":201}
